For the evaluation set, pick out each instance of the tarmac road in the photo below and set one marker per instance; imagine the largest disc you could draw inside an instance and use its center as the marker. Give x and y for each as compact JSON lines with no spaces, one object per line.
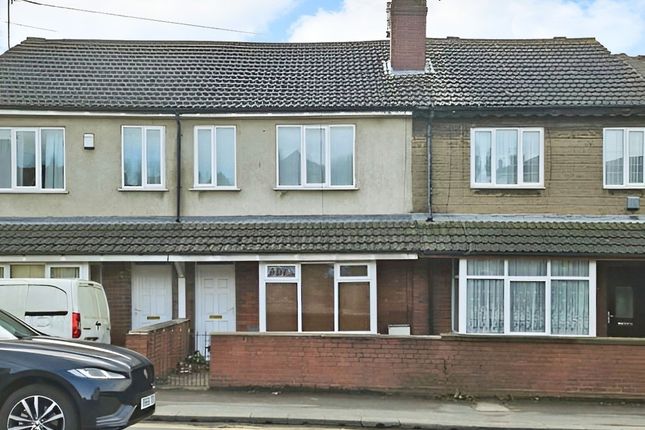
{"x":179,"y":426}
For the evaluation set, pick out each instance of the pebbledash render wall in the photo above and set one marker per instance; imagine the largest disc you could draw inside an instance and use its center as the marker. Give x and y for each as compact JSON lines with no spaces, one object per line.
{"x":573,"y":169}
{"x":432,"y":365}
{"x":93,"y":177}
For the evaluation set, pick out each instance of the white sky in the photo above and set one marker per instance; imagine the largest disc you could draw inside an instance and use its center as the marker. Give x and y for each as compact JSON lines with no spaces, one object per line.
{"x":618,"y":24}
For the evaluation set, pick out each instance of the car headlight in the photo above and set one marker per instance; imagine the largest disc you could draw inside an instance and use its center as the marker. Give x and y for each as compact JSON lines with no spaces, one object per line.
{"x":92,"y":373}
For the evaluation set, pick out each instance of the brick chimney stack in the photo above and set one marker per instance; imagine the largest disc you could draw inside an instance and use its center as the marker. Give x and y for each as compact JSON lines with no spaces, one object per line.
{"x":407,"y":32}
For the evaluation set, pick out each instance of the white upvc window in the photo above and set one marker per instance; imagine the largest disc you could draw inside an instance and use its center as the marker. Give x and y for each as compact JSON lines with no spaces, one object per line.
{"x":32,"y":159}
{"x":4,"y":271}
{"x":623,"y":151}
{"x":67,"y":271}
{"x":507,"y":157}
{"x":318,"y":297}
{"x":45,"y":270}
{"x":527,"y":296}
{"x":143,"y":158}
{"x":215,"y":157}
{"x":315,"y":156}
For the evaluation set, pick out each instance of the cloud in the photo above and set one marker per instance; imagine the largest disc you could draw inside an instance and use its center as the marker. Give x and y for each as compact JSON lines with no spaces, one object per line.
{"x":248,"y":15}
{"x":618,"y":24}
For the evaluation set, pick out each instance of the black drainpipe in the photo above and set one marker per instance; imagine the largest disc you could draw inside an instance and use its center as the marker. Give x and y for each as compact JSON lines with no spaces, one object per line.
{"x":177,"y":120}
{"x":429,"y":149}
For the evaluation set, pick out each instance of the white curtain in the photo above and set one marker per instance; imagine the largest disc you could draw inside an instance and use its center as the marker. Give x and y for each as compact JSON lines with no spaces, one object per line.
{"x":485,"y":306}
{"x":26,"y":158}
{"x":225,"y":156}
{"x":527,"y":267}
{"x":613,"y":148}
{"x":570,"y":307}
{"x":52,"y":158}
{"x":483,"y":142}
{"x":636,"y":141}
{"x":570,"y":268}
{"x":531,"y":156}
{"x":289,"y":143}
{"x":341,"y":142}
{"x":153,"y":156}
{"x":204,"y":157}
{"x":527,"y":307}
{"x":132,"y":156}
{"x":5,"y":158}
{"x":486,"y":267}
{"x":506,"y":148}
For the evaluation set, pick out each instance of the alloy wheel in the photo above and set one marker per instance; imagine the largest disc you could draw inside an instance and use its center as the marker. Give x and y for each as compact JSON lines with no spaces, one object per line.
{"x":36,"y":413}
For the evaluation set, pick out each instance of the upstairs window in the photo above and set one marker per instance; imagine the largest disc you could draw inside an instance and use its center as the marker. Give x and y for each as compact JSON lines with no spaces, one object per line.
{"x":215,"y":157}
{"x":507,"y":157}
{"x":315,"y":156}
{"x":32,"y":159}
{"x":623,"y":150}
{"x":143,"y":158}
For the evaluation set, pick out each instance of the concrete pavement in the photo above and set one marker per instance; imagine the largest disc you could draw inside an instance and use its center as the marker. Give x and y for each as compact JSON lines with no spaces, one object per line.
{"x":373,"y":410}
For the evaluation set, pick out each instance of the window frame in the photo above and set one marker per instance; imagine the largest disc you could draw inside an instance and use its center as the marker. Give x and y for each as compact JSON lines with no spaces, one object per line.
{"x":520,"y":164}
{"x":326,"y":185}
{"x":83,"y":269}
{"x":38,"y":187}
{"x":626,"y":185}
{"x":144,"y":165}
{"x":5,"y":271}
{"x":370,"y":278}
{"x":213,"y":185}
{"x":547,"y":279}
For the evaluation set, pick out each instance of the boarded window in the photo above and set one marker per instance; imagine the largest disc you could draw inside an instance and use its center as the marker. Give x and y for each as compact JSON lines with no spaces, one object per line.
{"x":282,"y":306}
{"x":318,"y":297}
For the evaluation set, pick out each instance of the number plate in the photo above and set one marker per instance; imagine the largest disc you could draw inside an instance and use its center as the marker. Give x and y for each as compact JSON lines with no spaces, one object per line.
{"x":148,"y":401}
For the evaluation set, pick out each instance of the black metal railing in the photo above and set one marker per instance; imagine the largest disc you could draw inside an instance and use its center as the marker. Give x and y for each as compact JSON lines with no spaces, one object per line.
{"x":193,"y":370}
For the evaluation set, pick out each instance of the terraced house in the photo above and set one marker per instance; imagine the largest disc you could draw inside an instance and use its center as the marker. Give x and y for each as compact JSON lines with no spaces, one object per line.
{"x":412,"y":214}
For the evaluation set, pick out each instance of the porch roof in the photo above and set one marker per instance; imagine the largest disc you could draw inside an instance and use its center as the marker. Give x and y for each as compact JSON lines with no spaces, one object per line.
{"x":445,"y":236}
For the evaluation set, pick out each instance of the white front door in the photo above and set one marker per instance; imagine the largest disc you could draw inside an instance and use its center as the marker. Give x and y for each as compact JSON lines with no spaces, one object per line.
{"x":151,"y":294}
{"x":215,"y":302}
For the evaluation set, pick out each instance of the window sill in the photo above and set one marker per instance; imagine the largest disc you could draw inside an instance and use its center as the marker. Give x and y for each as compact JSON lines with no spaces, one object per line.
{"x":143,"y":189}
{"x":33,"y":191}
{"x":215,"y":189}
{"x":627,"y":187}
{"x":315,"y":188}
{"x":507,"y":187}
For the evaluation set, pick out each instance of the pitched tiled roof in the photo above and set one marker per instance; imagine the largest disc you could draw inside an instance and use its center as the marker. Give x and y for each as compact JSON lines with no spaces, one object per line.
{"x":637,"y":62}
{"x":259,"y":77}
{"x":337,"y":234}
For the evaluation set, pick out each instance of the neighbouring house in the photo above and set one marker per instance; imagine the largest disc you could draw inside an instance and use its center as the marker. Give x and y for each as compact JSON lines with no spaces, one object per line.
{"x":421,"y":215}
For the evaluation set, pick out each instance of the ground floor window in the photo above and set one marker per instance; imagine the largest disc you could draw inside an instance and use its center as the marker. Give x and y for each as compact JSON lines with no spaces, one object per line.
{"x":23,"y":270}
{"x":318,"y":297}
{"x":526,"y":296}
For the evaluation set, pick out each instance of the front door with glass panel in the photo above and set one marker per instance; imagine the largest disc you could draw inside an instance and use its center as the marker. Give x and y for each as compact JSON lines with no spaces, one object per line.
{"x":215,"y":303}
{"x":626,"y":303}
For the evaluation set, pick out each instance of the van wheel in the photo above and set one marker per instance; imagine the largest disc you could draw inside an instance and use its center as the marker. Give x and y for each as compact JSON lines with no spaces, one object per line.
{"x":38,"y":407}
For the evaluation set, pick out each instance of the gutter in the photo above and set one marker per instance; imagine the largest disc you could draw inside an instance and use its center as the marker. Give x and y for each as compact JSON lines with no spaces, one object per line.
{"x":178,"y":122}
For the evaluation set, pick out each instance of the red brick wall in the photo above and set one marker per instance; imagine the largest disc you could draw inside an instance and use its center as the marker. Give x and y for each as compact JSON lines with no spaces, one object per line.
{"x":438,"y":366}
{"x":441,"y":287}
{"x":116,"y":282}
{"x":403,"y":298}
{"x":246,"y":296}
{"x":165,"y":344}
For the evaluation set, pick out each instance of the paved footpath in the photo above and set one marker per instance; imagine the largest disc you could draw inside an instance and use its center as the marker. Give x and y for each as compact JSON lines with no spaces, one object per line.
{"x":372,"y":410}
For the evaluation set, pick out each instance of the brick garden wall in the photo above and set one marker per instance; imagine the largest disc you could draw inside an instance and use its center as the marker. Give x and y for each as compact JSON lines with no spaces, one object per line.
{"x":165,"y":344}
{"x":563,"y":367}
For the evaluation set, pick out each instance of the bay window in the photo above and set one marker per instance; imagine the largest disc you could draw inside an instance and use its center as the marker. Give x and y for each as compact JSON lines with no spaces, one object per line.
{"x":507,"y":157}
{"x":318,"y":297}
{"x":143,"y":158}
{"x":215,"y":157}
{"x":623,"y":151}
{"x":315,"y":156}
{"x":527,"y":296}
{"x":32,"y":159}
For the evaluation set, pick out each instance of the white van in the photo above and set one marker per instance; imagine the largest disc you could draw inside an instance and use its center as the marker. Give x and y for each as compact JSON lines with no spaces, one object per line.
{"x":69,"y":308}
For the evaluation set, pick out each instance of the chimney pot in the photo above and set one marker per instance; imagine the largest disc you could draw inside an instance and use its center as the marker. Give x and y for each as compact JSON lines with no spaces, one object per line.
{"x":407,"y":31}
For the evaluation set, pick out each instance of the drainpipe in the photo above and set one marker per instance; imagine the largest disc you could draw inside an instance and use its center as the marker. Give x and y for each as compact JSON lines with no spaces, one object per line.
{"x":178,"y":122}
{"x":430,"y":117}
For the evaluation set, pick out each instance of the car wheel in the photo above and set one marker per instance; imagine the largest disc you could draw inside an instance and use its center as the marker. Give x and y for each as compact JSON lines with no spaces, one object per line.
{"x":38,"y":407}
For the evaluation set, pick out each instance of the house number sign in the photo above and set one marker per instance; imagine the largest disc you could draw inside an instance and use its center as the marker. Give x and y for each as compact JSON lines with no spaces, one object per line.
{"x":281,"y":271}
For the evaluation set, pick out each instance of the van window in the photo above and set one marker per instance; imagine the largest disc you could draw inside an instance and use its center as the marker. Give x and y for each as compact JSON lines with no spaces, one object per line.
{"x":46,"y":300}
{"x":103,"y":307}
{"x":87,"y":302}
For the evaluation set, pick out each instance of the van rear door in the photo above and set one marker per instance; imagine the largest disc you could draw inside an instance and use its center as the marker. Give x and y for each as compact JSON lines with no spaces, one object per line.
{"x":104,"y":315}
{"x":89,"y":310}
{"x":47,"y":310}
{"x":14,"y":297}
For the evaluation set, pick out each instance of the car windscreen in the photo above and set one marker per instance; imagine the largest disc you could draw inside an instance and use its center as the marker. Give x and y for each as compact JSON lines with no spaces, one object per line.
{"x":16,"y":327}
